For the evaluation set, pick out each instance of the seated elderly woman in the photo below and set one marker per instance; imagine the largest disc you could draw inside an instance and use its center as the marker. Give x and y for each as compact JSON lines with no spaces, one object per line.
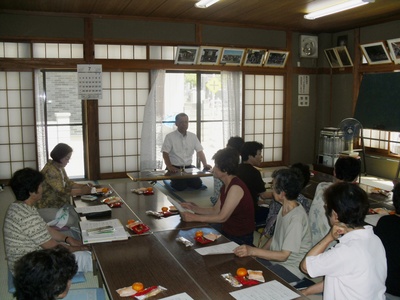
{"x":292,"y":238}
{"x":355,"y":268}
{"x":25,"y":230}
{"x":234,"y":208}
{"x":55,"y":207}
{"x":44,"y":274}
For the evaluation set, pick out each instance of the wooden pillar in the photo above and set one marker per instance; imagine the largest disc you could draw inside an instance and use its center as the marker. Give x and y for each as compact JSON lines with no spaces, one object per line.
{"x":91,"y":139}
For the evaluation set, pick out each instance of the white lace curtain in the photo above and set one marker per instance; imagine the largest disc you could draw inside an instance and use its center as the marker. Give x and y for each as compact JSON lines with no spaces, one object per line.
{"x":40,"y":99}
{"x":149,"y":141}
{"x":152,"y":138}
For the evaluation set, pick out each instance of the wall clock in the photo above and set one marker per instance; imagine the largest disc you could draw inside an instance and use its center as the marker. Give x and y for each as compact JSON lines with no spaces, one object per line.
{"x":309,"y":46}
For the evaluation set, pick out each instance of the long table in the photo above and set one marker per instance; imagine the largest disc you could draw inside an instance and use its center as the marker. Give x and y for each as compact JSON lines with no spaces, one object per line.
{"x":375,"y":199}
{"x":158,"y":259}
{"x":155,"y":175}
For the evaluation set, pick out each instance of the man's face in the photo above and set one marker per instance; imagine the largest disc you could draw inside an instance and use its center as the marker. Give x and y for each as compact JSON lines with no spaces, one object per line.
{"x":182,"y":123}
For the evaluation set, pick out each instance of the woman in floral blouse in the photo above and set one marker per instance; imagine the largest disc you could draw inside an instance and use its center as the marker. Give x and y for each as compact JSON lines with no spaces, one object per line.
{"x":55,"y":204}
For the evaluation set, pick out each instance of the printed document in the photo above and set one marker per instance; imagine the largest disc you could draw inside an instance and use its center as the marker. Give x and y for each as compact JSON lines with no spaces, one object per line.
{"x":116,"y":233}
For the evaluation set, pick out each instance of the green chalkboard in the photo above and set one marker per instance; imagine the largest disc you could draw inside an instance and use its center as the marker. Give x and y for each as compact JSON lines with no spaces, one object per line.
{"x":378,"y":103}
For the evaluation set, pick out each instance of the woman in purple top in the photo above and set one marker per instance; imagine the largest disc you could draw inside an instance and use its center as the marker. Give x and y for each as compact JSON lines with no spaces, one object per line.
{"x":234,"y":208}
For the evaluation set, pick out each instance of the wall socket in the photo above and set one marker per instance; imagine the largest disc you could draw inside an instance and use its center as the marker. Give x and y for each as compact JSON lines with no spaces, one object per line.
{"x":304,"y":100}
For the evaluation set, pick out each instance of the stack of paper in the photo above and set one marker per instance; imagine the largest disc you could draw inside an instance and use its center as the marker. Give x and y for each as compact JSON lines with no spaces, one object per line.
{"x":94,"y":211}
{"x":178,"y":206}
{"x":225,"y":248}
{"x":94,"y":231}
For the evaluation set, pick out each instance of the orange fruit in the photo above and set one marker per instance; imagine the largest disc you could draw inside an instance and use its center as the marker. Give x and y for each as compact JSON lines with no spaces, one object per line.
{"x":164,"y":209}
{"x":138,"y":286}
{"x":149,"y":189}
{"x":199,"y":233}
{"x":241,"y":272}
{"x":131,"y":221}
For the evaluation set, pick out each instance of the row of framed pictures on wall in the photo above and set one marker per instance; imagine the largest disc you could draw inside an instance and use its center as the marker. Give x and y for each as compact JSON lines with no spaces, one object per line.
{"x":338,"y":57}
{"x":374,"y":53}
{"x":377,"y":53}
{"x":205,"y":55}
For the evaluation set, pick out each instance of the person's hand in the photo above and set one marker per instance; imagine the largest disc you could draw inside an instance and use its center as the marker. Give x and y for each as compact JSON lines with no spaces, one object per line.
{"x":243,"y":250}
{"x":189,"y":205}
{"x":172,"y":169}
{"x":188,"y":217}
{"x":207,"y":167}
{"x":75,"y":245}
{"x":86,"y":189}
{"x":74,"y":242}
{"x":338,"y":230}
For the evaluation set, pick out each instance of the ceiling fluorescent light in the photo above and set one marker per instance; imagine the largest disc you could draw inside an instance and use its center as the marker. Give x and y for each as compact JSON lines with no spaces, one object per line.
{"x":205,"y":3}
{"x":336,"y":8}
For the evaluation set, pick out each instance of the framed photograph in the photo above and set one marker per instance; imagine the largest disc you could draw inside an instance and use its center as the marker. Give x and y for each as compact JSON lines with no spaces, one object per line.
{"x":344,"y":56}
{"x":333,"y":58}
{"x":376,"y":53}
{"x":232,"y":57}
{"x":186,"y":55}
{"x":254,"y":57}
{"x":394,"y":48}
{"x":209,"y":55}
{"x":341,"y":41}
{"x":276,"y":59}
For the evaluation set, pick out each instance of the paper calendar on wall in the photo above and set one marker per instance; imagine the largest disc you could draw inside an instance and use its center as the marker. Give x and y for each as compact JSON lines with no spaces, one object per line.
{"x":89,"y":81}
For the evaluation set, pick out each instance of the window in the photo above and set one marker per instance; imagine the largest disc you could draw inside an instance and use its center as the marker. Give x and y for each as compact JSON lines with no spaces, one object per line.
{"x":382,"y":142}
{"x":17,"y":123}
{"x":57,"y":50}
{"x":120,"y":120}
{"x":120,"y":51}
{"x":264,"y":112}
{"x":15,"y":50}
{"x":162,"y":52}
{"x":197,"y":94}
{"x":61,"y":117}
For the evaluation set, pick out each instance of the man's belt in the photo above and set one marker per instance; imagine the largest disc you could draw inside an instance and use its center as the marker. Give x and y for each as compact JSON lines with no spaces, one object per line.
{"x":184,"y":167}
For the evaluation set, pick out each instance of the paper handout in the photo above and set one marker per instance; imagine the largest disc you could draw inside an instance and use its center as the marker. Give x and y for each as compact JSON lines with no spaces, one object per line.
{"x":94,"y":231}
{"x":226,"y":248}
{"x":178,"y":205}
{"x":272,"y":290}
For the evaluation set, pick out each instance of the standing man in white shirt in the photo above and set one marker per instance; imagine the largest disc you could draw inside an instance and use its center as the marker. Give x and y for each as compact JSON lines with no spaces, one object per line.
{"x":178,"y":149}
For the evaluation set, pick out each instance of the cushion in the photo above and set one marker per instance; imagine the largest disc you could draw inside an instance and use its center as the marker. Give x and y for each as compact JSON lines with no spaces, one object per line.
{"x":84,"y":294}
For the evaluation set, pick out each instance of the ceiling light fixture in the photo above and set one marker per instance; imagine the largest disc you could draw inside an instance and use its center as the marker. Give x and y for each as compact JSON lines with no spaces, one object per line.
{"x":205,"y":3}
{"x":336,"y":8}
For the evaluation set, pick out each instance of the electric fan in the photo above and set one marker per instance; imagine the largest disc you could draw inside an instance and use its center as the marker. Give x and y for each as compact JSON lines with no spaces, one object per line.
{"x":353,"y":137}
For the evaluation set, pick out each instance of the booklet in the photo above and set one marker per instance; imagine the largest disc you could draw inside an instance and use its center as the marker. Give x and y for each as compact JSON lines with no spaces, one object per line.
{"x":102,"y":231}
{"x":94,"y":211}
{"x":178,"y":206}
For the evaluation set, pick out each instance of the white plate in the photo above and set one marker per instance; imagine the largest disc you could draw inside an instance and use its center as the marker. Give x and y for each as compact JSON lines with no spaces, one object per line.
{"x":88,"y":197}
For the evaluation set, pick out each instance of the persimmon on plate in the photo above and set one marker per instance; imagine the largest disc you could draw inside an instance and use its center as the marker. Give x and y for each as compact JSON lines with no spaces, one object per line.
{"x":138,"y":286}
{"x":199,"y":233}
{"x":241,"y":272}
{"x":202,"y":240}
{"x":169,"y":213}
